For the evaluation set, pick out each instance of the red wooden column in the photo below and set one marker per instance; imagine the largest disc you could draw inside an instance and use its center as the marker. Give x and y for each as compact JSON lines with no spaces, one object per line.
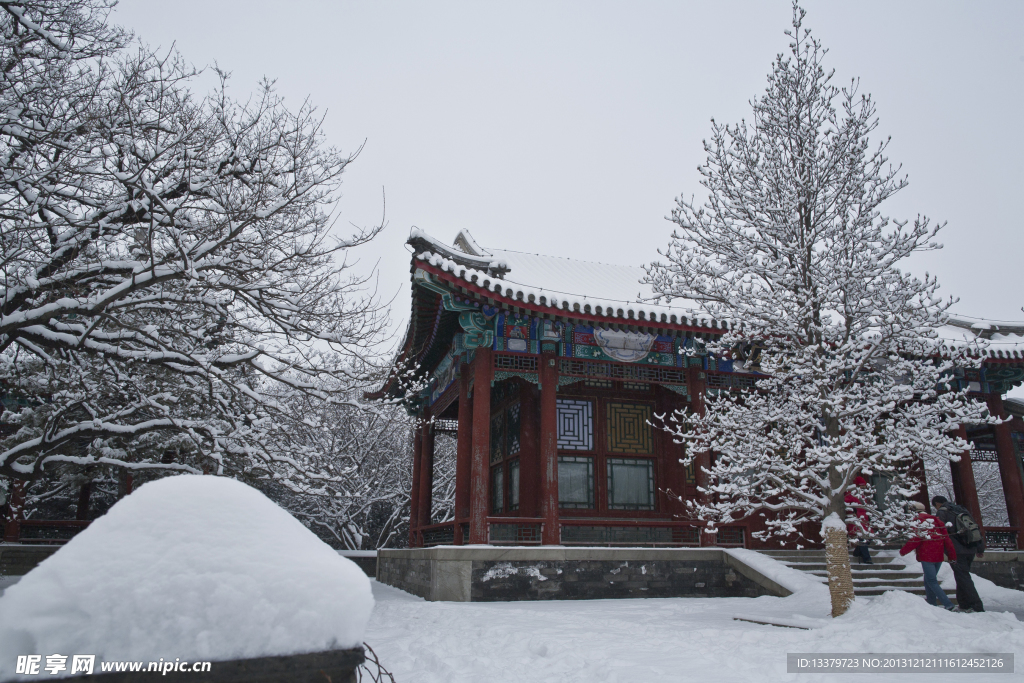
{"x":483,"y":371}
{"x":15,"y":511}
{"x":463,"y":455}
{"x":549,"y":448}
{"x":414,"y":497}
{"x":964,"y":487}
{"x":1009,"y":470}
{"x":697,"y":386}
{"x":426,"y":473}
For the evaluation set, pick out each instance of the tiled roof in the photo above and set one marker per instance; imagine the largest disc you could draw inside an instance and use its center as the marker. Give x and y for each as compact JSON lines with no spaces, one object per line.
{"x":561,"y":283}
{"x":617,"y":291}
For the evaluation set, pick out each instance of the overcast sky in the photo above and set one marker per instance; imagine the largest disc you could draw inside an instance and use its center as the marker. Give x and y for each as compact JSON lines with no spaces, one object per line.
{"x":568,"y":128}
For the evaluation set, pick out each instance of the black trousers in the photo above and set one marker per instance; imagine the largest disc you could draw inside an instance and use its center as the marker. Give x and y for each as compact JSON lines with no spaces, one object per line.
{"x":862,"y":553}
{"x":966,"y":594}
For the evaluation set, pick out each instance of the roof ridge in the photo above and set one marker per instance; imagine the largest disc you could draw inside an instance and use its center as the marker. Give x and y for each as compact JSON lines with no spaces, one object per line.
{"x":565,"y":258}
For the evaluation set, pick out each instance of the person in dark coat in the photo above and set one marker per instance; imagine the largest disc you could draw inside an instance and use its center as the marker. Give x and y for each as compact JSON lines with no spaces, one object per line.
{"x":966,"y":594}
{"x":930,"y":543}
{"x":861,"y":549}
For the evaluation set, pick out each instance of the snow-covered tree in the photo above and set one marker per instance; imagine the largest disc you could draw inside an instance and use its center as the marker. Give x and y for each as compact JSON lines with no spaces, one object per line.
{"x":791,"y":250}
{"x":169,"y":281}
{"x":368,"y":454}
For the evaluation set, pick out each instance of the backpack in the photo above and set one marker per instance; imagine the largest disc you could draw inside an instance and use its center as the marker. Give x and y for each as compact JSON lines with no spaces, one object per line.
{"x":965,"y":528}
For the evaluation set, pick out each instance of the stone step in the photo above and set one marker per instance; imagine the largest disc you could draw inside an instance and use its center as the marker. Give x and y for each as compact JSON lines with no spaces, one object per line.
{"x":902,"y":584}
{"x":793,"y":553}
{"x":875,"y":575}
{"x":869,"y":580}
{"x":855,"y":568}
{"x":875,"y":592}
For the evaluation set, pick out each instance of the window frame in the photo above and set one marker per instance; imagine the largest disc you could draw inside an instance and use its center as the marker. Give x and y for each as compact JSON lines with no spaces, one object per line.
{"x":591,"y":484}
{"x":631,"y":462}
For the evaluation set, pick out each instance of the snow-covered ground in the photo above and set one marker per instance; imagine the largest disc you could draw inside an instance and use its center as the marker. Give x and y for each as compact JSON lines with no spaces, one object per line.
{"x":681,"y":639}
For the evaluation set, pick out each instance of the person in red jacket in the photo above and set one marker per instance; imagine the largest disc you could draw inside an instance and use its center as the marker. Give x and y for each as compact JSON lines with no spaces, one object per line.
{"x":857,"y":531}
{"x":930,"y":543}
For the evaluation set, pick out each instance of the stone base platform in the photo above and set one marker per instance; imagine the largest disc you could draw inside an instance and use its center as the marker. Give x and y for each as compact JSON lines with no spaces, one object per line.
{"x":492,"y":573}
{"x":1002,"y":567}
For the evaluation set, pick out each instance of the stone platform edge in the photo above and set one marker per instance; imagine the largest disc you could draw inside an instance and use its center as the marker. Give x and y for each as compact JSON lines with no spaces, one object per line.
{"x":450,"y":573}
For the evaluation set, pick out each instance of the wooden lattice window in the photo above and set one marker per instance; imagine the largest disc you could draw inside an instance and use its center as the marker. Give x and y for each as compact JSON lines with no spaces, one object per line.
{"x":512,"y":429}
{"x":629,"y":429}
{"x":497,"y":490}
{"x":513,"y":485}
{"x":498,"y":437}
{"x":575,"y":425}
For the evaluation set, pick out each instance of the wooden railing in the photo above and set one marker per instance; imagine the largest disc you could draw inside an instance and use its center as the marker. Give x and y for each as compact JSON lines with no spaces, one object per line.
{"x":436,"y":534}
{"x":605,"y":532}
{"x":43,"y":531}
{"x":1001,"y":538}
{"x":629,"y":532}
{"x":514,"y":530}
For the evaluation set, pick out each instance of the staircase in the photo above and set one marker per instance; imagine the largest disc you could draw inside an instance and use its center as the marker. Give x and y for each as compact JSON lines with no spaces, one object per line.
{"x":869,"y":580}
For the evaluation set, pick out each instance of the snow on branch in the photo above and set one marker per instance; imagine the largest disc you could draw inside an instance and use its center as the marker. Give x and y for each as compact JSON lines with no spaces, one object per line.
{"x":792,"y":241}
{"x":170,"y":283}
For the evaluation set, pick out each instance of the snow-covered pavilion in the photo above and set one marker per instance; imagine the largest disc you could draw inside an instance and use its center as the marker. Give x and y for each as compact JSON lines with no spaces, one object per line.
{"x":550,"y":369}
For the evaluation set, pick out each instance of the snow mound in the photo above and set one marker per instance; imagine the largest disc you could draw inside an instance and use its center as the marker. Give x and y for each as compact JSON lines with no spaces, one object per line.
{"x":192,"y":567}
{"x":910,"y":624}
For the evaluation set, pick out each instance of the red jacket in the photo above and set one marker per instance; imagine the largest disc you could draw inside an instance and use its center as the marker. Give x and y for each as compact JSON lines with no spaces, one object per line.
{"x":930,"y":543}
{"x":862,"y":516}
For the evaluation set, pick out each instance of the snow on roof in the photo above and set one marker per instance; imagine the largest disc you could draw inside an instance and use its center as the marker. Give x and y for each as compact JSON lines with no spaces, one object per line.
{"x":194,"y":567}
{"x":561,"y":282}
{"x":619,"y":290}
{"x":1002,"y":339}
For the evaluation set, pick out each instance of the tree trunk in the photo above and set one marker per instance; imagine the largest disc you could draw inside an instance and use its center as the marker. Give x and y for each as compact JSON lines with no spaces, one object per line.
{"x":84,"y":493}
{"x":837,"y":561}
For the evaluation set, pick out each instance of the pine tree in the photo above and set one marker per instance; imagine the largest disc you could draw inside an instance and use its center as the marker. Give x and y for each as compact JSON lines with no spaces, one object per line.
{"x":790,"y":248}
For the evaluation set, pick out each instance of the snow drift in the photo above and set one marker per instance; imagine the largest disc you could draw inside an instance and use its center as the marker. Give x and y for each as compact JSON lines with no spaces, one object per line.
{"x":190,"y":567}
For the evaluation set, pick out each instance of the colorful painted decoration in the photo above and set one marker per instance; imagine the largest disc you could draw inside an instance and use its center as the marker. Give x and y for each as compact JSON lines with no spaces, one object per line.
{"x":626,"y":347}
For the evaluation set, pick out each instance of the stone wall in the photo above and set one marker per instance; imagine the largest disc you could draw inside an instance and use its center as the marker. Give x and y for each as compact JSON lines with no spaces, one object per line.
{"x":19,"y":559}
{"x":410,"y":574}
{"x":365,"y":559}
{"x":483,"y":574}
{"x":591,"y":579}
{"x":1004,"y":569}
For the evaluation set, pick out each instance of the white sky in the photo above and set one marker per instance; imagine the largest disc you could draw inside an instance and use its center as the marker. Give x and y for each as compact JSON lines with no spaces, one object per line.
{"x":568,"y":128}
